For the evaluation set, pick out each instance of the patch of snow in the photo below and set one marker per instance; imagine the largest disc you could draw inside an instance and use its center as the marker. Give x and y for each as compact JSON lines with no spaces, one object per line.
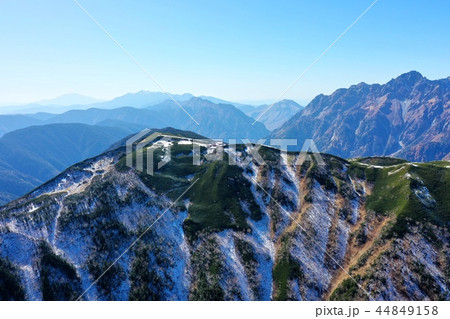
{"x":226,"y":242}
{"x":264,"y":249}
{"x":309,"y":249}
{"x":342,"y":235}
{"x":405,"y":106}
{"x":295,"y":288}
{"x":170,"y":227}
{"x":354,"y":206}
{"x":425,"y":253}
{"x":31,"y":232}
{"x":411,"y":285}
{"x":291,"y":190}
{"x":354,"y":186}
{"x":262,"y":243}
{"x":74,"y":184}
{"x":425,"y":197}
{"x":289,"y":171}
{"x":32,"y":283}
{"x":52,"y":238}
{"x":396,"y":171}
{"x":390,"y":291}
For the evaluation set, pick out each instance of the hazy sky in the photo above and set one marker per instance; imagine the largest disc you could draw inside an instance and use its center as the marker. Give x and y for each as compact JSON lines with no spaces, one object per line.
{"x":236,"y":50}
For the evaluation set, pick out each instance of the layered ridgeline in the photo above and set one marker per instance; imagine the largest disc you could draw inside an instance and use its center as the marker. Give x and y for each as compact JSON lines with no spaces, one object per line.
{"x":265,"y":231}
{"x":214,"y":120}
{"x":273,"y":116}
{"x":33,"y":155}
{"x":73,"y":101}
{"x":408,"y":117}
{"x":128,"y":116}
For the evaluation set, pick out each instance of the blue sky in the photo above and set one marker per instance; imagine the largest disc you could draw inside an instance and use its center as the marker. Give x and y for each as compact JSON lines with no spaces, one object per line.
{"x":235,"y":50}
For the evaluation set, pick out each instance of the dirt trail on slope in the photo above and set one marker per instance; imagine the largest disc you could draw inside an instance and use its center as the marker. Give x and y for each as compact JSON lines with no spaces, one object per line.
{"x":354,"y":252}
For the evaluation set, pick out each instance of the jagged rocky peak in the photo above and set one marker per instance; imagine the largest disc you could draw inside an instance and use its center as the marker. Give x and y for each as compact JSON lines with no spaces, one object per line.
{"x":406,"y":117}
{"x":235,"y":227}
{"x":409,"y":78}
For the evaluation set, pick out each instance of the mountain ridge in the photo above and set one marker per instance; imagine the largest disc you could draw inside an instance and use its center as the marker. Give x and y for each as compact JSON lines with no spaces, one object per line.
{"x":218,"y":120}
{"x":30,"y":156}
{"x":247,"y":240}
{"x":277,"y":114}
{"x":407,"y":117}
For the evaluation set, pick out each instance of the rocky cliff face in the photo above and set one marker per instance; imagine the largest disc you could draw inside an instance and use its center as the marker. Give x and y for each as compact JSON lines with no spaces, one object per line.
{"x":407,"y":117}
{"x":283,"y":230}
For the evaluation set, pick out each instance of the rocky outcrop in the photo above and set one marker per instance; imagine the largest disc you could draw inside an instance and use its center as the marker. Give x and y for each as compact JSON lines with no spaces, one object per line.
{"x":408,"y":117}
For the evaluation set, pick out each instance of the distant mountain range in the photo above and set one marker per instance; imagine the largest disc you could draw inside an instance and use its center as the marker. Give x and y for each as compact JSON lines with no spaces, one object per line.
{"x":278,"y":114}
{"x":9,"y":123}
{"x":215,"y":120}
{"x":408,"y":117}
{"x":139,"y":99}
{"x":69,"y":99}
{"x":50,"y":143}
{"x":56,"y":105}
{"x":33,"y":155}
{"x":273,"y":116}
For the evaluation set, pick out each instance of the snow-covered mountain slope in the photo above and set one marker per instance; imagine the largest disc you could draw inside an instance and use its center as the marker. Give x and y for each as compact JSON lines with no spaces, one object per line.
{"x":239,"y":232}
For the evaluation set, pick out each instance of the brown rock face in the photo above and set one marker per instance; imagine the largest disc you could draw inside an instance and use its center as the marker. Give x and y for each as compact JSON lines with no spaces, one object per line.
{"x":407,"y":117}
